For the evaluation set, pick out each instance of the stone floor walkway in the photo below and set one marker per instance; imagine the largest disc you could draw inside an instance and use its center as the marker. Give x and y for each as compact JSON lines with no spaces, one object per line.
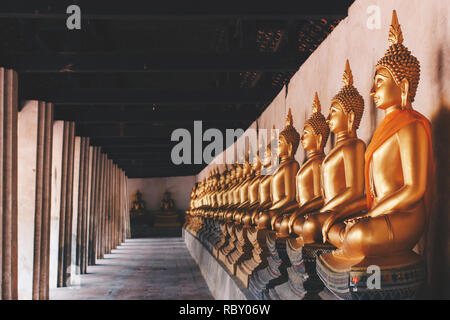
{"x":141,"y":269}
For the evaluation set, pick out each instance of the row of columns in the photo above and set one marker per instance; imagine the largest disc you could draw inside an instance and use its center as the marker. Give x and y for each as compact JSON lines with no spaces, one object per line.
{"x":63,"y":203}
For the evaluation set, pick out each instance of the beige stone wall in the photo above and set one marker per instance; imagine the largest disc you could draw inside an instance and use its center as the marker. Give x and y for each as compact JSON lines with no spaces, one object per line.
{"x":154,"y":188}
{"x":426,"y":30}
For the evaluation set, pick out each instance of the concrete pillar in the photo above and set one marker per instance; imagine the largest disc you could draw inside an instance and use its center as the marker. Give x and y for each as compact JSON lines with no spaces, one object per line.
{"x":107,"y":207}
{"x":101,"y":206}
{"x":57,"y":161}
{"x":74,"y":268}
{"x":69,"y":203}
{"x":80,"y":201}
{"x":114,"y":211}
{"x":27,"y":155}
{"x":86,"y":212}
{"x":83,"y":203}
{"x":35,"y":124}
{"x":94,"y":206}
{"x":8,"y":184}
{"x":65,"y":213}
{"x":44,"y":287}
{"x":127,"y":203}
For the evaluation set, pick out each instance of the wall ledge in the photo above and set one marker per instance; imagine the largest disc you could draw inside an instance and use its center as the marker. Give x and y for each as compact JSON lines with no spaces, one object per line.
{"x":222,"y":284}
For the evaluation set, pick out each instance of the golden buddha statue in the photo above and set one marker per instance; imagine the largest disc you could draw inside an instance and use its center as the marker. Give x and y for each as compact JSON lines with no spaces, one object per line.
{"x":227,"y":211}
{"x":167,"y":202}
{"x":265,"y":197}
{"x":221,"y":211}
{"x":253,"y":190}
{"x":219,"y":193}
{"x":138,"y":204}
{"x":248,"y":196}
{"x":343,"y":167}
{"x":308,"y":181}
{"x":227,"y":184}
{"x":259,"y":200}
{"x":398,"y":172}
{"x":232,"y":213}
{"x":283,"y":181}
{"x":241,"y":244}
{"x":190,"y":212}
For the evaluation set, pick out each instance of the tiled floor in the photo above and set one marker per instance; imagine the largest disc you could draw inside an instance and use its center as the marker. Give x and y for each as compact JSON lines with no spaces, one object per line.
{"x":141,"y":269}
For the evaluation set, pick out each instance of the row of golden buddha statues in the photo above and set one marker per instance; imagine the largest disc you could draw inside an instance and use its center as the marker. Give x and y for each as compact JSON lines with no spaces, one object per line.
{"x":360,"y":206}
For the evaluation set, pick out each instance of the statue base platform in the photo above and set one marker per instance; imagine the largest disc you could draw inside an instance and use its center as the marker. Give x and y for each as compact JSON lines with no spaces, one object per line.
{"x":257,"y":259}
{"x":167,"y":219}
{"x":222,"y":284}
{"x":303,"y":282}
{"x":275,"y":273}
{"x":397,"y":282}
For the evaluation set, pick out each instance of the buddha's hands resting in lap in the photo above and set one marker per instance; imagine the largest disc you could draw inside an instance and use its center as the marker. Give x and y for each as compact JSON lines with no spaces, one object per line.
{"x":291,"y":221}
{"x":273,"y":217}
{"x":329,"y":222}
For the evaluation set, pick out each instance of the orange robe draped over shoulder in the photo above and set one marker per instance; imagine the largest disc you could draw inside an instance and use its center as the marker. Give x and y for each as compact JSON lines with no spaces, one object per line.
{"x":392,"y":123}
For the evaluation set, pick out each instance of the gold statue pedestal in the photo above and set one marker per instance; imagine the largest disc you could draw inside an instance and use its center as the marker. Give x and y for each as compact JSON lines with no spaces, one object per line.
{"x":168,"y":218}
{"x":396,"y":281}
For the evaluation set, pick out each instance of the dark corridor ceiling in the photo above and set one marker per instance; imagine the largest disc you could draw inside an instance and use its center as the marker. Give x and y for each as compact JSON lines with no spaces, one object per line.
{"x":137,"y":70}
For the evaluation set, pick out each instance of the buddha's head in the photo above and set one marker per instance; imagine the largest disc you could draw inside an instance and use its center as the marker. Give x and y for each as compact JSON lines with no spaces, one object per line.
{"x":267,"y":159}
{"x":316,"y":130}
{"x":222,"y":179}
{"x":239,"y":171}
{"x":232,"y":172}
{"x":256,"y":165}
{"x":227,"y":175}
{"x":247,"y":168}
{"x":347,"y":106}
{"x":397,"y":73}
{"x":288,"y":139}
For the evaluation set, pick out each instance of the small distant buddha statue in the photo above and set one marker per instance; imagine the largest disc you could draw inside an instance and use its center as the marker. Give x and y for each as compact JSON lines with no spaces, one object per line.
{"x":398,"y":171}
{"x":167,"y":203}
{"x":283,"y":181}
{"x":138,"y":205}
{"x":308,"y":181}
{"x":343,"y":167}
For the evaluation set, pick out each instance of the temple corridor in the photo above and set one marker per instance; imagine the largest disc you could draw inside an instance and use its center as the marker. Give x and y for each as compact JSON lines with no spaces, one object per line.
{"x":224,"y":151}
{"x":140,"y":269}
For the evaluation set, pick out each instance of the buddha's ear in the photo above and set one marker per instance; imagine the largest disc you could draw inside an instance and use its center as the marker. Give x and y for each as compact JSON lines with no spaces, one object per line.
{"x":290,"y":148}
{"x":351,"y":120}
{"x":319,"y":141}
{"x":404,"y":87}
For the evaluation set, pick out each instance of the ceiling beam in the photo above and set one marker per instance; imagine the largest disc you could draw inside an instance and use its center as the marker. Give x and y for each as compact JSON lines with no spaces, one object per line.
{"x":128,"y":141}
{"x":116,"y":62}
{"x":86,"y":115}
{"x":120,"y":96}
{"x":175,"y":10}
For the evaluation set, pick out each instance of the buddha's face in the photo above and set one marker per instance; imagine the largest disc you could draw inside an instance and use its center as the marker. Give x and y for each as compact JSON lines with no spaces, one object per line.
{"x":308,"y":138}
{"x":283,"y":146}
{"x":267,"y":157}
{"x":385,"y":92}
{"x":247,"y":168}
{"x":256,"y":163}
{"x":337,"y":119}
